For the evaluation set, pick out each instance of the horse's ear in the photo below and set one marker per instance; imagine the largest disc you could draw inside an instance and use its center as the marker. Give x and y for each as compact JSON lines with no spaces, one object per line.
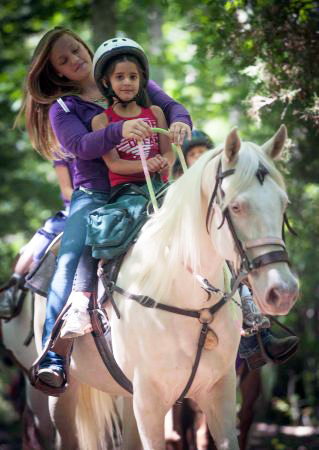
{"x":232,"y":145}
{"x":275,"y":145}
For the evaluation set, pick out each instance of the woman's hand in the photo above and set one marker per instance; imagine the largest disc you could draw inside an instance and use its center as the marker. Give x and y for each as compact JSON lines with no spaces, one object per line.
{"x":178,"y":131}
{"x":136,"y":129}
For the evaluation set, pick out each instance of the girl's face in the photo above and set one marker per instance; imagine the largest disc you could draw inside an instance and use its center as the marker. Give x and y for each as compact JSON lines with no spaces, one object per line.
{"x":195,"y":153}
{"x":71,"y":59}
{"x":125,"y":80}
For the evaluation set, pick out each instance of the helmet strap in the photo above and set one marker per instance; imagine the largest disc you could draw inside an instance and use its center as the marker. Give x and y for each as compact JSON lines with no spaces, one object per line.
{"x":122,"y":102}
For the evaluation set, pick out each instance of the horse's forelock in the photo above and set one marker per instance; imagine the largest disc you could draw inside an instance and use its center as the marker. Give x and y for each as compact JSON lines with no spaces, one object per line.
{"x":249,"y":159}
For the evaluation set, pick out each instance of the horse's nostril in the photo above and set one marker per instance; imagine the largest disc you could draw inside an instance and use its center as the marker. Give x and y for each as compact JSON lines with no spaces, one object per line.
{"x":273,"y":296}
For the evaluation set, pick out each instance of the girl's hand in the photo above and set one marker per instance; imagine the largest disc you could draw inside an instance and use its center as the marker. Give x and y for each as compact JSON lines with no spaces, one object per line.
{"x":156,"y":163}
{"x":178,"y":131}
{"x":136,"y":129}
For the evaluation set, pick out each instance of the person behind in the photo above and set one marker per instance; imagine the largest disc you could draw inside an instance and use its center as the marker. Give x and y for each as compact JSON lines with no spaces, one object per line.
{"x":61,"y":98}
{"x":121,"y":73}
{"x":32,"y":252}
{"x":192,"y":148}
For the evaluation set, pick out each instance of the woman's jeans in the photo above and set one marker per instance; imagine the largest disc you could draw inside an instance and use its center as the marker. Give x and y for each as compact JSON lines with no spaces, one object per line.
{"x":72,"y":245}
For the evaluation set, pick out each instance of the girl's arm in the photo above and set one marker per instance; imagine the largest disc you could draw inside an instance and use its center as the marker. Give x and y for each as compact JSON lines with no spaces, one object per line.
{"x":112,"y":159}
{"x":124,"y":167}
{"x":164,"y":142}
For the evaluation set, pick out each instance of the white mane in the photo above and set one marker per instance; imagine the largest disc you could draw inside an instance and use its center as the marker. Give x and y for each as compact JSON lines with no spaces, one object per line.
{"x":172,"y":235}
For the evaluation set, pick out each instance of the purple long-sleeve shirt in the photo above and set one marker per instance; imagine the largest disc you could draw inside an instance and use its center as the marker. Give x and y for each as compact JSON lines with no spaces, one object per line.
{"x":73,"y":131}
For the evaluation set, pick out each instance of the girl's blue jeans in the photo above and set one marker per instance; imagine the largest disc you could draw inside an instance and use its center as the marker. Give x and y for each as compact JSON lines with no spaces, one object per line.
{"x":249,"y":345}
{"x":73,"y":241}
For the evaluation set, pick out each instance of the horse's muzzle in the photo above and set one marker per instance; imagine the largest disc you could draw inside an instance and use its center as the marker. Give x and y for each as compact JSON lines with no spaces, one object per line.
{"x":280,"y":299}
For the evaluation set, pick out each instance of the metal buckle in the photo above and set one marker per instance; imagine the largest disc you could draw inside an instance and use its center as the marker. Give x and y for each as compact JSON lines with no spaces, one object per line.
{"x":205,"y":316}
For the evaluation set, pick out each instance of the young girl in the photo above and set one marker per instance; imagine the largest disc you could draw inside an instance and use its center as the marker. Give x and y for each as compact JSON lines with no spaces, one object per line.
{"x":61,"y":98}
{"x":121,"y":73}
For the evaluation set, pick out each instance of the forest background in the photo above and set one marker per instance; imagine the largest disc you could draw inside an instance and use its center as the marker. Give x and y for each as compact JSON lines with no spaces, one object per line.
{"x":252,"y":64}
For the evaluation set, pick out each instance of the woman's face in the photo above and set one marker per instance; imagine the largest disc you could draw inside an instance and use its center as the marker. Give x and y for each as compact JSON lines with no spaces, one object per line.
{"x":71,"y":59}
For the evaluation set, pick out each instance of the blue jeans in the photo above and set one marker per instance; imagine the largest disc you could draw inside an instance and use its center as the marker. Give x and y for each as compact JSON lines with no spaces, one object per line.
{"x":72,"y":245}
{"x":249,"y":345}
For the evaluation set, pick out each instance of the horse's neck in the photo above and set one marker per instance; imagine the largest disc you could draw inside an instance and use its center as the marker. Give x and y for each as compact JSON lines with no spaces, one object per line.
{"x":211,"y":268}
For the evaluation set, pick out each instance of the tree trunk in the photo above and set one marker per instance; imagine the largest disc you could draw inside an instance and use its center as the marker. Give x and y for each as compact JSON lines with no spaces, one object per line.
{"x":155,"y":22}
{"x":103,"y":20}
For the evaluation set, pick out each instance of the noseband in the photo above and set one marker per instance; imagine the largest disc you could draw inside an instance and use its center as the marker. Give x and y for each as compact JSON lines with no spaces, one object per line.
{"x":247,"y":265}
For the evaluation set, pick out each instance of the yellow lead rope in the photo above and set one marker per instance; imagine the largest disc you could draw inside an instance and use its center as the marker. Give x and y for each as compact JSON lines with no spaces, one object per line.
{"x":178,"y":151}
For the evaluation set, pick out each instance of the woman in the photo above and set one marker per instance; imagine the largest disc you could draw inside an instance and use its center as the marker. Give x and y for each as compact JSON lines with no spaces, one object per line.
{"x":62,"y":67}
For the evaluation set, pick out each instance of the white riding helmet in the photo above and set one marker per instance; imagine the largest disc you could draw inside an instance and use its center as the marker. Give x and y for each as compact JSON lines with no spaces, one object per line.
{"x":114,"y":47}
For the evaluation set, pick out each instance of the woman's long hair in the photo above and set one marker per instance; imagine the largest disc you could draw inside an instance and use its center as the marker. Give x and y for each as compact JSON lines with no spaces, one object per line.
{"x":41,"y":88}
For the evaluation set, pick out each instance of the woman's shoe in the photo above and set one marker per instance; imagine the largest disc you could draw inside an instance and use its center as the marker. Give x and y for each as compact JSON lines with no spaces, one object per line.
{"x":52,"y":376}
{"x":51,"y":370}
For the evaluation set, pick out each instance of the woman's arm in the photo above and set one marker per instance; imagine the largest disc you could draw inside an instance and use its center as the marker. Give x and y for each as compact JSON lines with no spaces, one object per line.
{"x":173,"y":111}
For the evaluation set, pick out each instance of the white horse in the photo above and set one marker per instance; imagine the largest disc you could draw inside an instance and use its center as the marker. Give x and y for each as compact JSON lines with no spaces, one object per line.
{"x":228,"y":206}
{"x":186,"y":241}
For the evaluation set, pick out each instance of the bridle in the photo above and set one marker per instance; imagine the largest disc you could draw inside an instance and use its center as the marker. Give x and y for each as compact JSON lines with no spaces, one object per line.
{"x":246,"y":265}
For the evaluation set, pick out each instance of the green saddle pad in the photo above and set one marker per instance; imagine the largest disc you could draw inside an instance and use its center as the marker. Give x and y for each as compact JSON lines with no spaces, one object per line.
{"x":113,"y":227}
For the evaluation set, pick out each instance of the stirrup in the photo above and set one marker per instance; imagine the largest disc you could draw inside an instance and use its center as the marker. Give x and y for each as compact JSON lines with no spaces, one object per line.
{"x":255,"y":328}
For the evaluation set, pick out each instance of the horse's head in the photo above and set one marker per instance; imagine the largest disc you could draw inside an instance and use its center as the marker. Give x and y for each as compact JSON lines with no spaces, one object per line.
{"x":247,"y":202}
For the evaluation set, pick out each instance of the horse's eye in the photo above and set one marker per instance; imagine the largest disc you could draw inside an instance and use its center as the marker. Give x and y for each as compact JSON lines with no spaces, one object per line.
{"x":235,"y":207}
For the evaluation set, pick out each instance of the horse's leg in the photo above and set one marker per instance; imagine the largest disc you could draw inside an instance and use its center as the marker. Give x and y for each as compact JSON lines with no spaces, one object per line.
{"x":219,"y":405}
{"x":38,"y":406}
{"x":62,"y":410}
{"x":131,"y":437}
{"x":250,"y":388}
{"x":149,"y":412}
